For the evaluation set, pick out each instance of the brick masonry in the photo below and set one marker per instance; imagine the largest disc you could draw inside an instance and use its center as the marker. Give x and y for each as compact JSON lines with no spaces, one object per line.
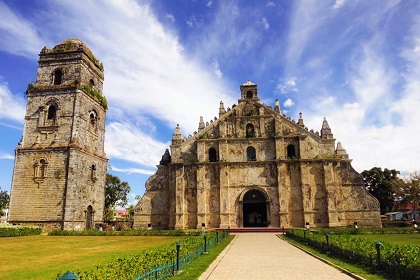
{"x":60,"y":163}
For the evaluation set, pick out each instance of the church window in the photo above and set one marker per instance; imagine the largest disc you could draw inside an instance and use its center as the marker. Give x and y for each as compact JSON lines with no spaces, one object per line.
{"x":212,"y":155}
{"x":40,"y":168}
{"x":291,"y":151}
{"x":93,"y":173}
{"x":52,"y":112}
{"x":251,"y":154}
{"x":58,"y":77}
{"x":93,"y":119}
{"x":249,"y":94}
{"x":250,"y":132}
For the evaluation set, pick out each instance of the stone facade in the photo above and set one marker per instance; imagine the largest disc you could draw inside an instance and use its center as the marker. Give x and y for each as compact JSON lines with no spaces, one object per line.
{"x":255,"y":167}
{"x":60,"y":163}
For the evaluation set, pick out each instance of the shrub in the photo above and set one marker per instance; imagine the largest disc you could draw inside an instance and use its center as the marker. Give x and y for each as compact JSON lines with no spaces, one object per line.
{"x":13,"y":231}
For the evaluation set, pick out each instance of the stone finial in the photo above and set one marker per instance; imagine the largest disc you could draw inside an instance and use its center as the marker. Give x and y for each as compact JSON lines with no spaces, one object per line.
{"x":222,"y":110}
{"x":55,"y":140}
{"x":201,"y":124}
{"x":166,"y":158}
{"x":326,"y":130}
{"x":300,"y":121}
{"x":277,"y":106}
{"x":177,"y":137}
{"x":341,"y":152}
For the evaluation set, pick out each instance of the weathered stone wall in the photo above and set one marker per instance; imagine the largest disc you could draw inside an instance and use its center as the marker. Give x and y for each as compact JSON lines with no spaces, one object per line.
{"x":298,"y":171}
{"x":60,"y":162}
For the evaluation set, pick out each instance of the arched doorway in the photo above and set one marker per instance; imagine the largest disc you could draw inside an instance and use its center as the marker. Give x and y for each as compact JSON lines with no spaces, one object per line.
{"x":254,"y":209}
{"x":89,"y":217}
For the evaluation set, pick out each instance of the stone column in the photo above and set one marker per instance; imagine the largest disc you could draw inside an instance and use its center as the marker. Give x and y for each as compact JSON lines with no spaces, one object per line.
{"x":224,"y":197}
{"x":284,"y":194}
{"x":307,"y":194}
{"x":329,"y":181}
{"x":202,"y":201}
{"x":179,"y":198}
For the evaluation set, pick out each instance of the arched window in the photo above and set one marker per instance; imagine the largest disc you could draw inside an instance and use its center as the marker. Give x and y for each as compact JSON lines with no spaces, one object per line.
{"x":40,"y":168}
{"x":93,"y":119}
{"x":291,"y":151}
{"x":92,"y":83}
{"x":93,"y":173}
{"x":251,"y":154}
{"x":52,"y":112}
{"x":249,"y":94}
{"x":58,"y":77}
{"x":212,"y":155}
{"x":250,"y":132}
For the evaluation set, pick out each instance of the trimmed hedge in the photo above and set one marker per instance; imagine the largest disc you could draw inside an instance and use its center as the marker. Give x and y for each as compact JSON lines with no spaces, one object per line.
{"x":353,"y":231}
{"x":125,"y":232}
{"x":14,"y":231}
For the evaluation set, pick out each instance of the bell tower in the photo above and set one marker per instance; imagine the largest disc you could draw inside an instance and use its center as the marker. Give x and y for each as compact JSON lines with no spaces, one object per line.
{"x":60,"y":163}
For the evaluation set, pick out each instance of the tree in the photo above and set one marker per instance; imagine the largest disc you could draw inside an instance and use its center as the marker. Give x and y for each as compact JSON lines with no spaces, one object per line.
{"x":380,"y":184}
{"x":407,"y":190}
{"x":4,"y":201}
{"x":115,"y":193}
{"x":130,"y":210}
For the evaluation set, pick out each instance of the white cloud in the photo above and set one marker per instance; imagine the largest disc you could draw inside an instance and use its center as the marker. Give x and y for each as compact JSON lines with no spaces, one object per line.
{"x":209,"y":4}
{"x":7,"y":156}
{"x":125,"y":141}
{"x":12,"y":107}
{"x":18,"y":36}
{"x":288,"y":103}
{"x":216,"y":68}
{"x":288,"y":84}
{"x":265,"y":23}
{"x":270,"y":4}
{"x":133,"y":170}
{"x":338,"y":4}
{"x":170,"y":17}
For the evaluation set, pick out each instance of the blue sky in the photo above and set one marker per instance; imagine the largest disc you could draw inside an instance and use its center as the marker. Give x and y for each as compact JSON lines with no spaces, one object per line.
{"x":356,"y":62}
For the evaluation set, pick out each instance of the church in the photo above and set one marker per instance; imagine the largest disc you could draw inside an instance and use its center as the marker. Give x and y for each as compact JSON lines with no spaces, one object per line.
{"x":255,"y":167}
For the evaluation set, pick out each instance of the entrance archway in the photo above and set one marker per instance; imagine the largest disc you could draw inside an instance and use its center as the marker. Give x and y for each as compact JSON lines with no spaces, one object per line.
{"x":254,"y":205}
{"x":89,"y":217}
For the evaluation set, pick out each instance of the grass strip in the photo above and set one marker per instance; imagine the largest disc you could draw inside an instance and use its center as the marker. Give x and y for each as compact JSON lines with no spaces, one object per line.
{"x":44,"y":257}
{"x":363,"y":272}
{"x":199,"y":265}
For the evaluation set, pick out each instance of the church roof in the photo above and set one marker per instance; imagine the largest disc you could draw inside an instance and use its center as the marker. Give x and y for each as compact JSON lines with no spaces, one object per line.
{"x":73,"y":45}
{"x":249,"y":83}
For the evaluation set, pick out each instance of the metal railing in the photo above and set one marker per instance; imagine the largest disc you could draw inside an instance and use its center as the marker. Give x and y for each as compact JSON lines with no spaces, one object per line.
{"x":174,"y":266}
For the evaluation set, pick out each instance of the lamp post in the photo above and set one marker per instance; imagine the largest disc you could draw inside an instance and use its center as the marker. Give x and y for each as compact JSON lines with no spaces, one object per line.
{"x":69,"y":275}
{"x":378,"y":250}
{"x":205,"y":243}
{"x":327,"y":236}
{"x":178,"y":249}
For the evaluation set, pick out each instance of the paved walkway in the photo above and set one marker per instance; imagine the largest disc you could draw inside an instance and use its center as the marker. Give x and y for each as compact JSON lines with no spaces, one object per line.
{"x":265,"y":256}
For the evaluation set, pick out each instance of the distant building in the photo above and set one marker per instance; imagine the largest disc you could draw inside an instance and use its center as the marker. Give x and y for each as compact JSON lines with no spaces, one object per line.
{"x":60,"y":163}
{"x":255,"y":167}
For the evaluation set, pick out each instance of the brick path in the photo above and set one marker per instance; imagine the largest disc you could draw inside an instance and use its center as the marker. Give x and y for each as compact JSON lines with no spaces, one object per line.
{"x":265,"y":256}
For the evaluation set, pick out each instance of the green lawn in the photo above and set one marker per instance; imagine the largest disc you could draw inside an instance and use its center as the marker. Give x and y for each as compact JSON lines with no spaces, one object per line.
{"x":43,"y":257}
{"x":397,"y":239}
